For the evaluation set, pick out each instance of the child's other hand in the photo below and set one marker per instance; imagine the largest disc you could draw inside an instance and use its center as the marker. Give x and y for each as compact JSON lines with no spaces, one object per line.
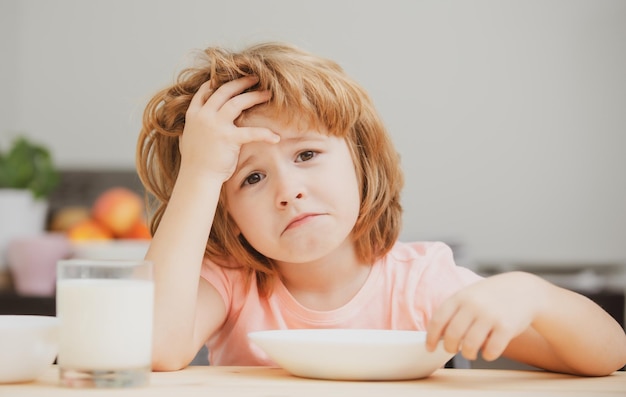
{"x":211,"y":141}
{"x":486,"y":315}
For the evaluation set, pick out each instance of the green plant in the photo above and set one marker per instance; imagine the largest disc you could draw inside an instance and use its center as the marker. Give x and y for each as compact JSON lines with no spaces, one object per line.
{"x":27,"y":165}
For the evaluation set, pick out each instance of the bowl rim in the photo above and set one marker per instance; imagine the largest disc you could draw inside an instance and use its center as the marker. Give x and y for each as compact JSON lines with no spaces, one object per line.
{"x":13,"y":321}
{"x":341,"y":335}
{"x":399,"y":353}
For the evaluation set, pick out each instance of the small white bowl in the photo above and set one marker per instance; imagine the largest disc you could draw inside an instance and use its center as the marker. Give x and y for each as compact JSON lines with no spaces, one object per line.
{"x":110,"y":249}
{"x":352,"y":354}
{"x":28,"y":346}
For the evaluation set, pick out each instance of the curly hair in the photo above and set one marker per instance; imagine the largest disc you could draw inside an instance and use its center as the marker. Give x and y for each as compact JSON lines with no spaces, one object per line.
{"x":304,"y":88}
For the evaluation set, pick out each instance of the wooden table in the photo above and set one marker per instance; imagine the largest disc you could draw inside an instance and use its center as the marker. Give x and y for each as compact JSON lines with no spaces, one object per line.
{"x":262,"y":381}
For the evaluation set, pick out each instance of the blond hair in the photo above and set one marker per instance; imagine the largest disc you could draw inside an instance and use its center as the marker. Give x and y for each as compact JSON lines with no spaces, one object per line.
{"x":305,"y":88}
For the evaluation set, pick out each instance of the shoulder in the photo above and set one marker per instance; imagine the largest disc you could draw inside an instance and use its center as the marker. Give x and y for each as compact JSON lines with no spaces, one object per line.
{"x":426,"y":272}
{"x":230,"y":279}
{"x":225,"y":271}
{"x":427,"y":261}
{"x":421,"y":254}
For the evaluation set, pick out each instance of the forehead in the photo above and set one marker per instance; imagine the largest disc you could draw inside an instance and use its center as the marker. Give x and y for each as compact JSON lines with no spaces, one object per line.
{"x":292,"y":135}
{"x":280,"y":125}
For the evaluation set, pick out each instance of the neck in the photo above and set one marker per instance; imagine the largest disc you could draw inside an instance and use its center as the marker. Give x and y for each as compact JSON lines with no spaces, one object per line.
{"x":327,"y":283}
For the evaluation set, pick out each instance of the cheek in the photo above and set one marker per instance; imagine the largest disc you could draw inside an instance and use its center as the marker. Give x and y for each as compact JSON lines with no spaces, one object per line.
{"x":244,"y":215}
{"x":234,"y":215}
{"x":346,"y":187}
{"x":355,"y":194}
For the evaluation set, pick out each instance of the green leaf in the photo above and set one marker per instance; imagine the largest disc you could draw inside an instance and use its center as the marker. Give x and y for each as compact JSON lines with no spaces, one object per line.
{"x":28,"y":166}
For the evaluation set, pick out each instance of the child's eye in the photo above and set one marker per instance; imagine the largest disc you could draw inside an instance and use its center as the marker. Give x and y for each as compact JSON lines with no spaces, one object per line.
{"x":306,"y":155}
{"x":253,"y":179}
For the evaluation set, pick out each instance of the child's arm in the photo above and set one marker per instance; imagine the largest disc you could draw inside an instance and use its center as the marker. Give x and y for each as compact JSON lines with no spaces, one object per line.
{"x":525,"y":318}
{"x":187,"y":309}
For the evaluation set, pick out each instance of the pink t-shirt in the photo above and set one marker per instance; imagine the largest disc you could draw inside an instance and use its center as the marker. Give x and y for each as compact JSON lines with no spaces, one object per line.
{"x":401,"y":292}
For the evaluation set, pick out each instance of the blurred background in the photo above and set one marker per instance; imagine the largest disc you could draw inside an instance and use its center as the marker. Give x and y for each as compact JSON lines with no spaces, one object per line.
{"x":510,"y":116}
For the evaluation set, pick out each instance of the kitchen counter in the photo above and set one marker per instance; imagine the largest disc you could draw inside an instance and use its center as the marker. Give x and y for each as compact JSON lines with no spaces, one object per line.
{"x":264,"y":381}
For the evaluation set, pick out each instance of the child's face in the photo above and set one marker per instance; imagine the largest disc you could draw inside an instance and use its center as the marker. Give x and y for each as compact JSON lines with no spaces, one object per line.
{"x":298,"y":200}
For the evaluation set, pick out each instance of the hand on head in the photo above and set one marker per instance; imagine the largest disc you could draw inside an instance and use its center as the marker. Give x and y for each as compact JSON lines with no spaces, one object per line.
{"x":211,"y":141}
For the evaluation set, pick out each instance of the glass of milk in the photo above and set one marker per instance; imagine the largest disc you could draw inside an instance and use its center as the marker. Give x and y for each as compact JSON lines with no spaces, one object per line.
{"x":105,"y":308}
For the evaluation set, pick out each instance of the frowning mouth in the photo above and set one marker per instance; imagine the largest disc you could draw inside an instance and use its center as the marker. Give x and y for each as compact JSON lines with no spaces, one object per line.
{"x":299,"y":220}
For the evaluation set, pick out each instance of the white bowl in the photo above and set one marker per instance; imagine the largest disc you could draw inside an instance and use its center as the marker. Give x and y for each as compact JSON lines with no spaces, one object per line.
{"x":351,"y":354}
{"x":28,"y":346}
{"x":110,"y":249}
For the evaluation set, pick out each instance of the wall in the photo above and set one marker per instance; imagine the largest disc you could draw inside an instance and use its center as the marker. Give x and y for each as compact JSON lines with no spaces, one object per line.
{"x":8,"y":68}
{"x":509,"y":115}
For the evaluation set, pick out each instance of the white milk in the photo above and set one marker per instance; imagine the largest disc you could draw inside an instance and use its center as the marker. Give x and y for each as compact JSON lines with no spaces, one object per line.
{"x":106,"y":324}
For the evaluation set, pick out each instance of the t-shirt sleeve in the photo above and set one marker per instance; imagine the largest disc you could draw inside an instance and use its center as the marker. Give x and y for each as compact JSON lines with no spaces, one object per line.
{"x":219,"y":278}
{"x":440,"y":278}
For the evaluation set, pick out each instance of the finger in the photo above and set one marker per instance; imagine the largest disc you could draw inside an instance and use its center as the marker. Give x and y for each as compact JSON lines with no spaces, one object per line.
{"x":475,"y":338}
{"x":237,"y":104}
{"x":201,"y":96}
{"x":457,"y":329}
{"x":229,"y":89}
{"x":496,"y":344}
{"x":438,"y":322}
{"x":256,"y":134}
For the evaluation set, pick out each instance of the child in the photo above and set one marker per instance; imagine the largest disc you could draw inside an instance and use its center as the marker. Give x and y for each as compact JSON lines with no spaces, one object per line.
{"x":277,"y":196}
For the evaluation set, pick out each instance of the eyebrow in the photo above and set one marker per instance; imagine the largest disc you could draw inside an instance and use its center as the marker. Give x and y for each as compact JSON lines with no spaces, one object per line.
{"x":243,"y":164}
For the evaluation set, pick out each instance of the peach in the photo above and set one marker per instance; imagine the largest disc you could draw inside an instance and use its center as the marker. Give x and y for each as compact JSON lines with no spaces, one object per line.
{"x":118,"y":209}
{"x":139,"y":231}
{"x":66,"y":217}
{"x":88,"y":229}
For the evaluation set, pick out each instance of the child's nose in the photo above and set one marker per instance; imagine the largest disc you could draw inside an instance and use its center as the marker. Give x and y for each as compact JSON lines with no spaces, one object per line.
{"x":288,"y":190}
{"x":284,"y":203}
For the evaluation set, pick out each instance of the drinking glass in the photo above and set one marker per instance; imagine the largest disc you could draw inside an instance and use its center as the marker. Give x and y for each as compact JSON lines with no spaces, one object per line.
{"x":105,"y":308}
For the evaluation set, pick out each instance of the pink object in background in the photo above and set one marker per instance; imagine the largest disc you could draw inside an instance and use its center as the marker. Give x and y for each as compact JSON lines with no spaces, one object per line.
{"x":32,"y":261}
